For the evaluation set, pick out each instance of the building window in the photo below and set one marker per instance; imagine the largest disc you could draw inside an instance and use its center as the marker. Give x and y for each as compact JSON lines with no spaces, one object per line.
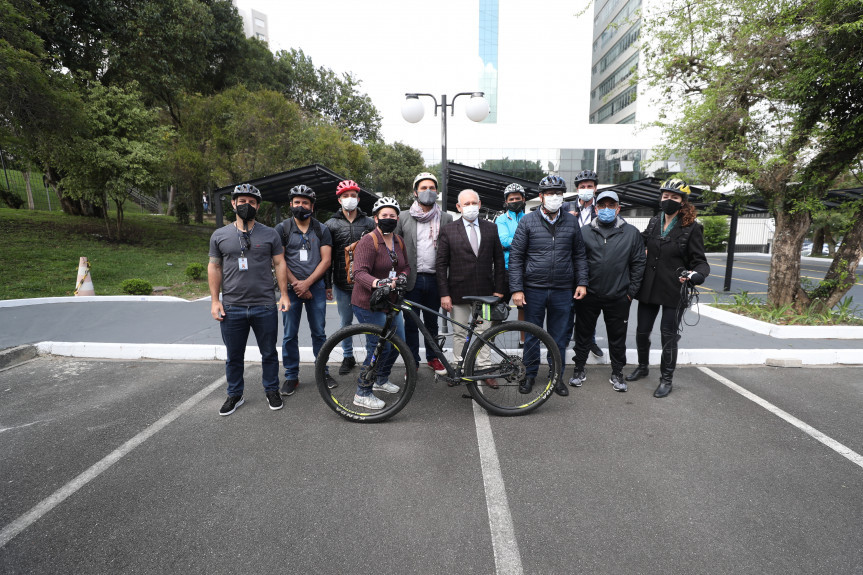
{"x":617,"y":104}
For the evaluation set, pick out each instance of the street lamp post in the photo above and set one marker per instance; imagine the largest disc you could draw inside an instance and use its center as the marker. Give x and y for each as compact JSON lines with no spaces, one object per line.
{"x":413,"y":111}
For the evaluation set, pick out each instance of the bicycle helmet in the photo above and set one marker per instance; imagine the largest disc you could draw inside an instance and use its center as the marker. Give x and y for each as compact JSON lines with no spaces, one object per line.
{"x":675,"y":185}
{"x":425,"y":176}
{"x":246,"y":190}
{"x":386,"y":202}
{"x":347,"y":186}
{"x":513,"y":189}
{"x":586,"y":176}
{"x":303,"y":191}
{"x":552,"y":183}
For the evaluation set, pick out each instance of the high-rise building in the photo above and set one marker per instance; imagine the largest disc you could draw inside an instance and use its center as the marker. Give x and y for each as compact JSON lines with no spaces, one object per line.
{"x":488,"y":38}
{"x":254,"y":23}
{"x":616,"y":27}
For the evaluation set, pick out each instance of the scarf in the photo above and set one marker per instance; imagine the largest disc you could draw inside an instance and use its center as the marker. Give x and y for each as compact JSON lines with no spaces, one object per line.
{"x":431,"y":217}
{"x":664,"y":232}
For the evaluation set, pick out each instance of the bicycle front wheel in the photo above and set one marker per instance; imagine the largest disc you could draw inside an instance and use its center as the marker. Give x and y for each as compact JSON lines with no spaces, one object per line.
{"x":355,"y":361}
{"x":510,"y":365}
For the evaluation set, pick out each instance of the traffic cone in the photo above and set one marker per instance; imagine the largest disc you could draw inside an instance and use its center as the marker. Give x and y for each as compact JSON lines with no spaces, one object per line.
{"x":85,"y":282}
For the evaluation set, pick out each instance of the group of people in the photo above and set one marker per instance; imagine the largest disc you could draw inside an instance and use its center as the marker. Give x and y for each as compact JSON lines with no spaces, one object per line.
{"x":560,"y":265}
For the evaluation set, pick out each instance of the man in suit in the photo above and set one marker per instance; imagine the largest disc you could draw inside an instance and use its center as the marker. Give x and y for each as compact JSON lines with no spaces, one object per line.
{"x":469,"y":262}
{"x":420,"y":228}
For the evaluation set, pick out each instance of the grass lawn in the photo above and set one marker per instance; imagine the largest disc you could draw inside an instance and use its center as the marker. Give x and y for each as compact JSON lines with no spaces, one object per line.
{"x":39,"y":254}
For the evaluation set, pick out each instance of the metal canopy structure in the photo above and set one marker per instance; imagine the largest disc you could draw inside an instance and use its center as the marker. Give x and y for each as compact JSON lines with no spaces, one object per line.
{"x":644,"y":193}
{"x":489,"y":186}
{"x":276,"y":188}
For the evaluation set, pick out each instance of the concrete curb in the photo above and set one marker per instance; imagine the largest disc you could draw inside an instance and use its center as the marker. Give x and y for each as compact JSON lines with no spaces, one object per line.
{"x":90,"y":298}
{"x":16,"y":355}
{"x":685,"y":356}
{"x":781,"y":331}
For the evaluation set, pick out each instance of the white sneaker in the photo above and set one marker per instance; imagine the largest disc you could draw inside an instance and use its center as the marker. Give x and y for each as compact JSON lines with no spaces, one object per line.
{"x":369,"y":402}
{"x":387,"y":387}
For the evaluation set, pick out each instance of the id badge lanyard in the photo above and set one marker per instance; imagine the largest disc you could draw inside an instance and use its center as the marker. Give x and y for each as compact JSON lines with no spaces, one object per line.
{"x":242,"y":261}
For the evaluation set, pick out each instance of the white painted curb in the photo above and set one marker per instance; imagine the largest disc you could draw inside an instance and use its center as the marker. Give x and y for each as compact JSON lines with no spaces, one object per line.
{"x":217,"y":352}
{"x":781,"y":331}
{"x":90,"y":298}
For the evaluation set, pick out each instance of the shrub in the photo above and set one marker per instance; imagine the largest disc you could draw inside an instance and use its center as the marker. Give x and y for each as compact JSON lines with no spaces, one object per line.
{"x":715,"y":233}
{"x":137,"y":286}
{"x":195,"y":271}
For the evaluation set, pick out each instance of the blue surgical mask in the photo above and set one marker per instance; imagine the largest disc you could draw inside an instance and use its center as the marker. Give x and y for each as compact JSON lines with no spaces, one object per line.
{"x":607,"y":215}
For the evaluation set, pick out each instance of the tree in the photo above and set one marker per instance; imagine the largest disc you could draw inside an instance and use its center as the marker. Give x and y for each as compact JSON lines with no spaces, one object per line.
{"x":122,"y":148}
{"x":240,"y":134}
{"x":525,"y":169}
{"x":393,"y":169}
{"x":766,"y":96}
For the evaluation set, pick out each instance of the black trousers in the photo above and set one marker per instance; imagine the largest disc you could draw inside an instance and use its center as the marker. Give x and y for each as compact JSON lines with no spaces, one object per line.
{"x":616,"y":314}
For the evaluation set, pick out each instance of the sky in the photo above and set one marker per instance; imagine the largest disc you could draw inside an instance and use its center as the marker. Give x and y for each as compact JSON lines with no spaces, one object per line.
{"x":395,"y":47}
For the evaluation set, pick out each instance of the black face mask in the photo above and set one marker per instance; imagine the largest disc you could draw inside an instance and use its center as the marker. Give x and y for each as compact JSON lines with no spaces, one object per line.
{"x":246,"y":212}
{"x":670,"y":207}
{"x":301,"y":213}
{"x":388,"y":226}
{"x":515,"y":206}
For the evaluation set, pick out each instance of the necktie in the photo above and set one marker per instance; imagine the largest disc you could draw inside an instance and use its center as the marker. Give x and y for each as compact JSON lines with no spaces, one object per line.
{"x":472,"y":237}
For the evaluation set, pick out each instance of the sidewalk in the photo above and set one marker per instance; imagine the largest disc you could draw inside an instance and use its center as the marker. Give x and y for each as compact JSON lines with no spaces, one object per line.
{"x":158,"y":327}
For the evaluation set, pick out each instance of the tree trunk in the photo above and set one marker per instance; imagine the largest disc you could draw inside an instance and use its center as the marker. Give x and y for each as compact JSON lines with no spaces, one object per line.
{"x":817,"y":242}
{"x":842,"y":273}
{"x":783,"y":281}
{"x":30,"y":203}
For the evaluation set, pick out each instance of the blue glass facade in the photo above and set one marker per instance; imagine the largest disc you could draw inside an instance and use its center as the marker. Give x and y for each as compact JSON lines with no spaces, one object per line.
{"x":488,"y":37}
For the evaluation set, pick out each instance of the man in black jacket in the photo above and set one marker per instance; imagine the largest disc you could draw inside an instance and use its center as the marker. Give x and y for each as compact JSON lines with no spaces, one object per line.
{"x":547,"y":269}
{"x":616,"y":259}
{"x":346,"y":226}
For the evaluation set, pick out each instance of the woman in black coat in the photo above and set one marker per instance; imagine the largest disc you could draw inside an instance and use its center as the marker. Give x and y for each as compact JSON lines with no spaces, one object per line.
{"x":675,"y":255}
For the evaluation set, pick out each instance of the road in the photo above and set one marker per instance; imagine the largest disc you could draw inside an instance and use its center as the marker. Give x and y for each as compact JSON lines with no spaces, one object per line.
{"x":750,"y":275}
{"x":125,"y":467}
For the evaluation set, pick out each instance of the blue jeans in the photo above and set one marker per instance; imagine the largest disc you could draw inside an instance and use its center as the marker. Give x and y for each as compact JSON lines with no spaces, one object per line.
{"x":316,"y":308}
{"x":264,"y":321}
{"x":346,"y":315}
{"x":425,"y":292}
{"x":389,"y":355}
{"x":557,"y":303}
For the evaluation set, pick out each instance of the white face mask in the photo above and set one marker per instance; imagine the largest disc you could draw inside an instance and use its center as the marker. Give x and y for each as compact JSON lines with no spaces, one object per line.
{"x":350,"y":204}
{"x":552,"y":203}
{"x":585,"y":195}
{"x":470,"y":213}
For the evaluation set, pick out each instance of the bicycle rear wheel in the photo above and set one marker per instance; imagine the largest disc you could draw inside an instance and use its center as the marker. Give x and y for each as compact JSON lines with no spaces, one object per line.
{"x":362,"y":339}
{"x":508,"y":368}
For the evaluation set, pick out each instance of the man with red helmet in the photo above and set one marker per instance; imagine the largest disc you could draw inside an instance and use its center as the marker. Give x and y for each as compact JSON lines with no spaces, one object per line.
{"x":346,"y":226}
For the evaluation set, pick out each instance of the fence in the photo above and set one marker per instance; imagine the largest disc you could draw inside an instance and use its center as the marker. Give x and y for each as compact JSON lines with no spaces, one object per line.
{"x":44,"y":198}
{"x":753,"y":234}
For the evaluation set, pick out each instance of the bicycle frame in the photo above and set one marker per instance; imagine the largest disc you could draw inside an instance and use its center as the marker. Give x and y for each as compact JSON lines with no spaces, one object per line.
{"x":408,"y":306}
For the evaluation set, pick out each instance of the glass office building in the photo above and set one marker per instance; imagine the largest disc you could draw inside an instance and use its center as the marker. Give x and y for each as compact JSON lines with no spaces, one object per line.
{"x":616,"y":28}
{"x":488,"y":38}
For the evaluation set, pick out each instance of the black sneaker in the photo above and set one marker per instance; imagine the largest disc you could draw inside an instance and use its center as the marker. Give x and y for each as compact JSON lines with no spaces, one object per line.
{"x":594,"y":349}
{"x":275,"y":400}
{"x":348,"y":364}
{"x":231,"y":404}
{"x":331,"y":383}
{"x":290,"y":386}
{"x":526,"y":385}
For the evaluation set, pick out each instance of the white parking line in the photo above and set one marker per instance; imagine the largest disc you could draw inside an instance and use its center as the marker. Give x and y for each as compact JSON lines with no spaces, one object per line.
{"x":507,"y":559}
{"x":23,"y":522}
{"x":842,"y":450}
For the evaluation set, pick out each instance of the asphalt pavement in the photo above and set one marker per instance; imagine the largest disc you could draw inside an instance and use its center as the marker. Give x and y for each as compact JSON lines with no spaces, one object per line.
{"x":125,"y":467}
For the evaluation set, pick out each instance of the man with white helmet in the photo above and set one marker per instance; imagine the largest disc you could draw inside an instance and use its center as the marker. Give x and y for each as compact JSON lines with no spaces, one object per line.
{"x":420,"y":229}
{"x":242,"y":255}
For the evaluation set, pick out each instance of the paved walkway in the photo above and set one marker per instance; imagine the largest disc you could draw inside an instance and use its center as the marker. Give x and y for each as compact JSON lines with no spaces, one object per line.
{"x":169,"y":328}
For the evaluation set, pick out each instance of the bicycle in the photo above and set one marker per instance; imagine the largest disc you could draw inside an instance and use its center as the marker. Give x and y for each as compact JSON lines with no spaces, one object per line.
{"x":493,"y":354}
